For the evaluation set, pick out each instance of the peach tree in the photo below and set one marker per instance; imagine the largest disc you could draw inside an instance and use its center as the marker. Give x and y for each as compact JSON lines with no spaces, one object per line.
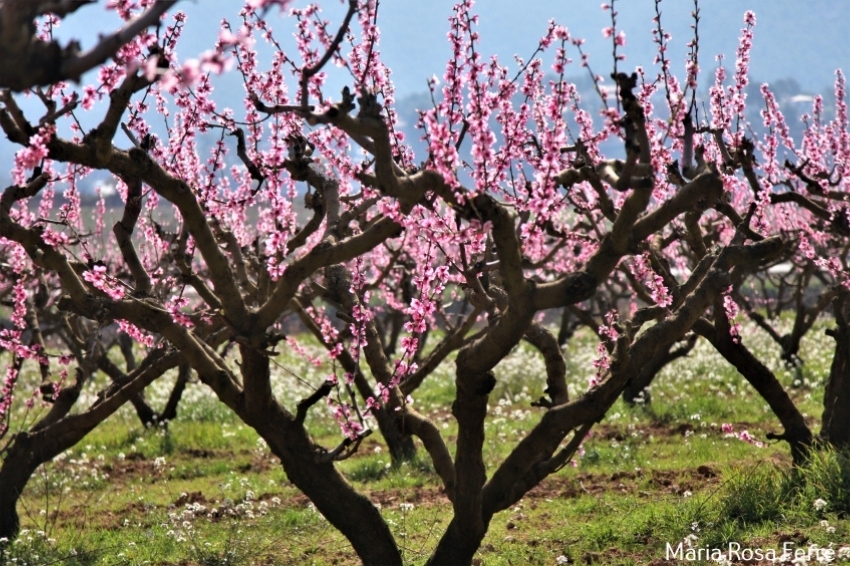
{"x":311,"y":205}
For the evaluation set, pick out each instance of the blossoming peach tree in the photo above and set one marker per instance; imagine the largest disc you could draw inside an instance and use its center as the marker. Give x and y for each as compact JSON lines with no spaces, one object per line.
{"x":515,"y":210}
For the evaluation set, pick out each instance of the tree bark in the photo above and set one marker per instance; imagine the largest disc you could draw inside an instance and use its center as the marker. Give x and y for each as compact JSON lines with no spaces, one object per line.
{"x":566,"y":328}
{"x":468,"y":527}
{"x":58,"y":431}
{"x":169,"y":413}
{"x":400,"y":444}
{"x":797,"y":433}
{"x":835,"y":427}
{"x":144,"y":411}
{"x":18,"y":466}
{"x":350,"y":512}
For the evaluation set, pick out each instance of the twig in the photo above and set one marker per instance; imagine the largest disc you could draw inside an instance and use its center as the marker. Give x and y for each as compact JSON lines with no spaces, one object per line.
{"x":109,"y":45}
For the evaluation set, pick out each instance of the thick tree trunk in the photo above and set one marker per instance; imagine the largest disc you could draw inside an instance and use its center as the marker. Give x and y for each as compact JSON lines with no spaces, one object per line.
{"x":18,"y":466}
{"x":27,"y":452}
{"x":835,"y":427}
{"x":458,"y":545}
{"x":469,"y":525}
{"x":58,"y":431}
{"x":348,"y":511}
{"x":797,"y":433}
{"x":308,"y":467}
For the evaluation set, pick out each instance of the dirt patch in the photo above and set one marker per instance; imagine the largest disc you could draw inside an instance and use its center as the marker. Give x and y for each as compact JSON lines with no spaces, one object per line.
{"x":422,"y":496}
{"x":670,"y":481}
{"x":129,"y":468}
{"x":679,"y":482}
{"x":204,"y":453}
{"x":194,"y":497}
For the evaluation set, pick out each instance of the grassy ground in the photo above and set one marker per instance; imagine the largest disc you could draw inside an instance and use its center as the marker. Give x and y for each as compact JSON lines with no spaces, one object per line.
{"x":205,"y":491}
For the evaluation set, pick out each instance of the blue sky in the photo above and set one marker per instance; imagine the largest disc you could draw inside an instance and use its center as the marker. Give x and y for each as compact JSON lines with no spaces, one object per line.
{"x":806,"y":41}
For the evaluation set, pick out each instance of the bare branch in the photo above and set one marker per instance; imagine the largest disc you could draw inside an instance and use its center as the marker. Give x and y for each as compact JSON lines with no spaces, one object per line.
{"x":74,"y":67}
{"x":304,"y":405}
{"x":123,"y":229}
{"x":309,"y":72}
{"x":26,"y":62}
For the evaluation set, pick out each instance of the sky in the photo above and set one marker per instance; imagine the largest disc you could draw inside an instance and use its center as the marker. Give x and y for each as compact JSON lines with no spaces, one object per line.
{"x":805,"y":41}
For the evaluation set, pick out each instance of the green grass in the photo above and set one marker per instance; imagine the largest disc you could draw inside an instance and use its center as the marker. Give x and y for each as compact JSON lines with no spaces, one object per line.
{"x":205,"y":490}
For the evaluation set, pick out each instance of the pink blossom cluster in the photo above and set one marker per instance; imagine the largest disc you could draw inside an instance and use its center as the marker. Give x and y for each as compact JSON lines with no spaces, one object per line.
{"x":296,"y":347}
{"x":538,"y":117}
{"x":33,"y":155}
{"x":347,"y":419}
{"x":609,"y":335}
{"x":100,"y":279}
{"x":174,"y":306}
{"x":731,"y":311}
{"x":137,"y":334}
{"x":744,"y":435}
{"x":742,"y":66}
{"x":7,"y":395}
{"x":642,"y":270}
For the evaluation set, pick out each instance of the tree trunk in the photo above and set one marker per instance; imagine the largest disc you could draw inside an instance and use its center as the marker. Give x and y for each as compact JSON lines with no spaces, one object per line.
{"x":170,"y":411}
{"x":835,"y":427}
{"x":457,"y":546}
{"x":401,"y":446}
{"x":144,"y":411}
{"x":797,"y":433}
{"x":58,"y":431}
{"x":350,"y":512}
{"x":636,"y":390}
{"x":308,"y":466}
{"x":18,"y":466}
{"x":26,"y":453}
{"x":469,"y":525}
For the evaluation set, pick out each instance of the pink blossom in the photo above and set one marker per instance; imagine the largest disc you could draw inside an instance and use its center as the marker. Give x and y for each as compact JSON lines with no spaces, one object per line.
{"x":31,"y":156}
{"x":744,"y":435}
{"x":98,"y":277}
{"x":620,"y":39}
{"x":266,"y":4}
{"x":731,"y":308}
{"x":136,"y":334}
